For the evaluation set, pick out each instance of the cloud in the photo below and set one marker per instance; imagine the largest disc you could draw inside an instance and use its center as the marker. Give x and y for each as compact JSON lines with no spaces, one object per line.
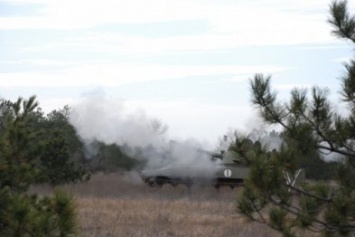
{"x":90,"y":75}
{"x":232,"y":24}
{"x":119,"y":43}
{"x":39,"y":62}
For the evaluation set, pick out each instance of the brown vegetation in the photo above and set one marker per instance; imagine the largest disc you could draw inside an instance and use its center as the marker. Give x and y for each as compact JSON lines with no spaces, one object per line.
{"x":120,"y":205}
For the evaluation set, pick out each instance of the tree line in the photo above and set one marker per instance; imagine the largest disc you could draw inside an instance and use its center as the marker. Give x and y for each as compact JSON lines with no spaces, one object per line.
{"x":44,"y":149}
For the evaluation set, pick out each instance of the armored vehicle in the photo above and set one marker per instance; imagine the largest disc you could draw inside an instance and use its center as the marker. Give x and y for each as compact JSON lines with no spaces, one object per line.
{"x":229,"y":168}
{"x":224,"y":170}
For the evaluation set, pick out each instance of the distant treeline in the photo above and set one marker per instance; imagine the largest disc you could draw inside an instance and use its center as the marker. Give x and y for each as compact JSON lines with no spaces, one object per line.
{"x":66,"y":157}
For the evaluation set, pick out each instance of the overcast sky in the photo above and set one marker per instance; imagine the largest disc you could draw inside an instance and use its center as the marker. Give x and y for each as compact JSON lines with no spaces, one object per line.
{"x":185,"y":62}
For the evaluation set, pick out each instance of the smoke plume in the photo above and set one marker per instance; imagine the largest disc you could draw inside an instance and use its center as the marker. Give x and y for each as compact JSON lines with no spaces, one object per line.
{"x":96,"y":118}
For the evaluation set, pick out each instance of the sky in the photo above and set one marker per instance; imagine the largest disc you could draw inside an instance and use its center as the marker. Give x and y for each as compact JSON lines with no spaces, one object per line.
{"x":186,"y":63}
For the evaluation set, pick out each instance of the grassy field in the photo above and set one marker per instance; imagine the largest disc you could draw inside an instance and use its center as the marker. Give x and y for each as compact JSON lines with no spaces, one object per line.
{"x":120,"y":205}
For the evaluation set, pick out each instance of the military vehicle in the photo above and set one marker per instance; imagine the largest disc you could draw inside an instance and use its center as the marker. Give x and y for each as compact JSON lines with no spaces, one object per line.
{"x":229,"y":168}
{"x":224,"y":170}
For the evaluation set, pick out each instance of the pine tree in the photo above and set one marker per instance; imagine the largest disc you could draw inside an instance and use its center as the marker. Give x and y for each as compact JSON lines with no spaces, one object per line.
{"x":21,"y":214}
{"x":310,"y":125}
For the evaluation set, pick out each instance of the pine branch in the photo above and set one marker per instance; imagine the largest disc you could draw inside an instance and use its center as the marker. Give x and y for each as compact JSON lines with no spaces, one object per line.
{"x":328,"y":200}
{"x":341,"y":20}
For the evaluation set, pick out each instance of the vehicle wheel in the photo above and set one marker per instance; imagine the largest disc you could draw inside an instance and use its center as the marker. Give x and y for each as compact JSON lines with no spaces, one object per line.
{"x":159,"y":183}
{"x":173,"y":184}
{"x":188,"y":183}
{"x":153,"y":183}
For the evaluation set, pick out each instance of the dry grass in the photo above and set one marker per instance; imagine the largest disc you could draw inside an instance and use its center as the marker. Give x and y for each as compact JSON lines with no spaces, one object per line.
{"x":119,"y":205}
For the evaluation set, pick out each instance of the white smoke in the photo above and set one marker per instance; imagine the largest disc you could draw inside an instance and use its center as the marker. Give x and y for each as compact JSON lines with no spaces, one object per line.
{"x":270,"y":139}
{"x":97,"y":118}
{"x":326,"y":155}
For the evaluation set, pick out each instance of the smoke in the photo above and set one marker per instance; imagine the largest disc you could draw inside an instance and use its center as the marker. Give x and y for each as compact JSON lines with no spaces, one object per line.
{"x":272,"y":140}
{"x":328,"y":156}
{"x":269,"y":139}
{"x":97,"y":118}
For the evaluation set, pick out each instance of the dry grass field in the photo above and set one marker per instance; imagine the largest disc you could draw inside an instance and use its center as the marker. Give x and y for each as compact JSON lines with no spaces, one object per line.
{"x":120,"y":205}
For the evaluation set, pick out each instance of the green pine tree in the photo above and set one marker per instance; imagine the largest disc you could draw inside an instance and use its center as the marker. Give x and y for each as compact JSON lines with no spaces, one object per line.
{"x":21,"y":214}
{"x":310,"y":125}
